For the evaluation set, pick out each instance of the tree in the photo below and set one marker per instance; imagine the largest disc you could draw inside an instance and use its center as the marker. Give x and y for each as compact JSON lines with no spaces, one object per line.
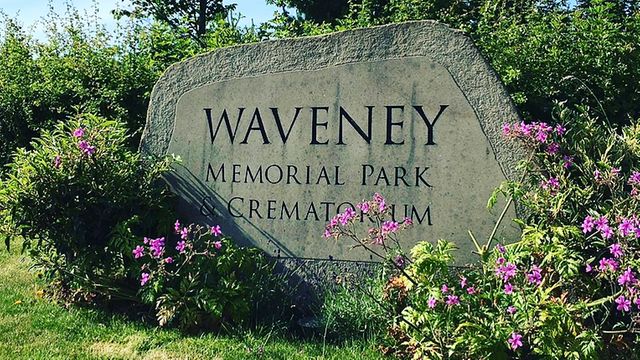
{"x":189,"y":16}
{"x":315,"y":10}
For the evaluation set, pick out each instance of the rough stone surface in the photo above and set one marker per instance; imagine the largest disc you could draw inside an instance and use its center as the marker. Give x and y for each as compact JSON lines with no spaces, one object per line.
{"x":418,"y":64}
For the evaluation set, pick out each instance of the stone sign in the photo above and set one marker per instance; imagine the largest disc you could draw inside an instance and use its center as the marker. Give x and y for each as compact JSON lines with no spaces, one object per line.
{"x":277,"y":137}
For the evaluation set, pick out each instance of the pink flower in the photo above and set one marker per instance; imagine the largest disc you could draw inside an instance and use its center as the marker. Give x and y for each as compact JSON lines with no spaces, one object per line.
{"x":608,"y":264}
{"x":471,"y":290}
{"x":626,"y":227}
{"x":506,"y":271}
{"x":169,"y":260}
{"x":157,"y":247}
{"x":506,"y":129}
{"x":78,"y":133}
{"x":86,"y":148}
{"x":138,"y":252}
{"x":57,"y":161}
{"x":216,"y":231}
{"x":452,"y":300}
{"x":596,"y":175}
{"x":615,"y":250}
{"x":348,"y":214}
{"x":500,"y":260}
{"x":144,"y":277}
{"x":588,"y":268}
{"x":553,"y":148}
{"x":363,"y":206}
{"x":180,"y":246}
{"x":560,"y":130}
{"x":623,"y":303}
{"x":511,"y":309}
{"x":327,"y":233}
{"x":184,"y":234}
{"x":515,"y":341}
{"x":627,"y":277}
{"x":389,"y":227}
{"x":535,"y":277}
{"x":508,"y":289}
{"x":588,"y":224}
{"x":217,"y":245}
{"x":444,"y":288}
{"x":407,"y":221}
{"x":463,"y":282}
{"x":634,"y":178}
{"x":431,"y":303}
{"x":176,"y":227}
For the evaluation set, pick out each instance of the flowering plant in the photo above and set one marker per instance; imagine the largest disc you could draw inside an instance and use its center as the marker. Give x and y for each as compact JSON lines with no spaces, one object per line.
{"x":568,"y":288}
{"x":78,"y":198}
{"x":198,"y":279}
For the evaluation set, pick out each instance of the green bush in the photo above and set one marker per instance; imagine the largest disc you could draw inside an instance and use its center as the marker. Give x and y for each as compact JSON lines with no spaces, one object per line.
{"x":197,"y":279}
{"x":79,"y":198}
{"x":568,"y":288}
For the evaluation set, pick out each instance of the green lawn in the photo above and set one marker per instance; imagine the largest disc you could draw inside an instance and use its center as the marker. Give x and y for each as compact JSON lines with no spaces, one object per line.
{"x":35,"y":328}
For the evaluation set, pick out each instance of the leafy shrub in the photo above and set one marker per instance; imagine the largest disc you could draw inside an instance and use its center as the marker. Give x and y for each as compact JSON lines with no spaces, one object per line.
{"x":79,"y":198}
{"x":568,"y":288}
{"x":198,"y":279}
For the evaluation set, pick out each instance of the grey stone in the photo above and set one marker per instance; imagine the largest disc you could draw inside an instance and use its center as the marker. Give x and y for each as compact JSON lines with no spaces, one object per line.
{"x":403,"y":73}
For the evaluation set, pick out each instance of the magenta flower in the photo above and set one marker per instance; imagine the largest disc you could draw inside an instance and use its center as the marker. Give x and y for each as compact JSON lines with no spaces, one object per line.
{"x":511,"y":309}
{"x":144,"y":277}
{"x":389,"y":227}
{"x":508,"y":289}
{"x":431,"y":303}
{"x":57,"y":161}
{"x":608,"y":264}
{"x":601,"y":223}
{"x":176,"y":227}
{"x":500,"y":260}
{"x":86,"y":148}
{"x":541,"y":136}
{"x":588,"y":224}
{"x":180,"y":247}
{"x":78,"y":133}
{"x":216,"y":231}
{"x":634,"y":178}
{"x":627,"y":277}
{"x":463,"y":282}
{"x":157,"y":247}
{"x":217,"y":245}
{"x":553,"y":148}
{"x":184,"y":234}
{"x":138,"y":252}
{"x":637,"y":302}
{"x":506,"y":129}
{"x":452,"y":300}
{"x":535,"y":277}
{"x":169,"y":260}
{"x":407,"y":221}
{"x":345,"y":217}
{"x":515,"y":341}
{"x":615,"y":250}
{"x":327,"y":233}
{"x":588,"y":268}
{"x":364,"y":207}
{"x":623,"y":303}
{"x":560,"y":130}
{"x":444,"y":288}
{"x":626,"y":227}
{"x":501,"y":249}
{"x":506,"y":271}
{"x":471,"y":290}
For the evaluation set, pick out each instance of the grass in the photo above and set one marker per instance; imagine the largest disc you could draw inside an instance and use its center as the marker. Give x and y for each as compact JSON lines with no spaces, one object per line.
{"x":35,"y":328}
